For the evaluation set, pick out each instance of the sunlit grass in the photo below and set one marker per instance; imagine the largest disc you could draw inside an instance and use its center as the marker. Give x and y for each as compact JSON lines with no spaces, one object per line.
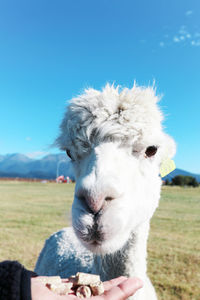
{"x":30,"y":212}
{"x":174,"y":244}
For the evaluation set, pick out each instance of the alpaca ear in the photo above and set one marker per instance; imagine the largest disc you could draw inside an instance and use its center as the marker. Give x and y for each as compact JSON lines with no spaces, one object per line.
{"x":168,"y":147}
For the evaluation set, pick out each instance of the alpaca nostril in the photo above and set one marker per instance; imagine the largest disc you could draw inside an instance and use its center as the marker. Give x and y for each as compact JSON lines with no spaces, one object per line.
{"x":86,"y":203}
{"x":81,"y":198}
{"x":109,"y":198}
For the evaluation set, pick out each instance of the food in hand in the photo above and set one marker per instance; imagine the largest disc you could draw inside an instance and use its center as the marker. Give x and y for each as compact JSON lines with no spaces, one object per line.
{"x":82,"y":285}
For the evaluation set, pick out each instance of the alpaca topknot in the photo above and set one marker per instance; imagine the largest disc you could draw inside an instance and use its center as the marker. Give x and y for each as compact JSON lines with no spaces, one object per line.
{"x":114,"y":113}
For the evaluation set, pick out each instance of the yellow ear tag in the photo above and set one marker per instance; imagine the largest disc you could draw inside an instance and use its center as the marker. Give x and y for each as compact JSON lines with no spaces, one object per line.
{"x":167,"y":166}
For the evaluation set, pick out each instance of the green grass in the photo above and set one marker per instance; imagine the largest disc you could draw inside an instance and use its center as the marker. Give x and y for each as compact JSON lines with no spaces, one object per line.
{"x":30,"y":212}
{"x":174,"y":244}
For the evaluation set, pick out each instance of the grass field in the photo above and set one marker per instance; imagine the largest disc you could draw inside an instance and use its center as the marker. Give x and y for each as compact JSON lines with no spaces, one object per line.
{"x":30,"y":212}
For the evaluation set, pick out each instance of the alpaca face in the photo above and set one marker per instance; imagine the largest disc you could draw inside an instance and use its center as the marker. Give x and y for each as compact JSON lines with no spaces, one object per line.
{"x":113,"y":196}
{"x":116,"y":145}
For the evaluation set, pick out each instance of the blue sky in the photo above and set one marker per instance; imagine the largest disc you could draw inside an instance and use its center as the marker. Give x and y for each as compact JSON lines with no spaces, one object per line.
{"x":51,"y":50}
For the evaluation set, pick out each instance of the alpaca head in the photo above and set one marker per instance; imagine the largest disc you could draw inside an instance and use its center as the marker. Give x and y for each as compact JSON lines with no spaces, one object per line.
{"x":116,"y":143}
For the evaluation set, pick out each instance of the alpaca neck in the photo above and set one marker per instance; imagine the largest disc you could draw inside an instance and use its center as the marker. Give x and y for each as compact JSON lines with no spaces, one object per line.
{"x":129,"y":260}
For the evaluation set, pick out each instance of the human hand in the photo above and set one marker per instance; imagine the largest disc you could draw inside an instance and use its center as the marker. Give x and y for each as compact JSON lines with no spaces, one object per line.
{"x":116,"y":289}
{"x":119,"y":288}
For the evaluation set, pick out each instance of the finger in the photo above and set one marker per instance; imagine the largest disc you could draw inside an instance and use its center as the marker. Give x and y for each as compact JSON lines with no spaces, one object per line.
{"x":130,"y":286}
{"x":121,"y":292}
{"x":68,"y":297}
{"x":40,"y":278}
{"x":113,"y":282}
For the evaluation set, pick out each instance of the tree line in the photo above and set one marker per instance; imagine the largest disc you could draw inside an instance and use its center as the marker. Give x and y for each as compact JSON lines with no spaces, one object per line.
{"x":182,"y":180}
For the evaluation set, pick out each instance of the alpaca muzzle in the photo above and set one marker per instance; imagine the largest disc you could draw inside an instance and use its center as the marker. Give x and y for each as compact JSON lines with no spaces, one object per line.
{"x":94,"y":202}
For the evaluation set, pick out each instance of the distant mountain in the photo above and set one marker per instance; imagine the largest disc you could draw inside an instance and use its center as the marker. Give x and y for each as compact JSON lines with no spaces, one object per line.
{"x":1,"y":157}
{"x":48,"y":167}
{"x":181,"y":172}
{"x":19,"y":165}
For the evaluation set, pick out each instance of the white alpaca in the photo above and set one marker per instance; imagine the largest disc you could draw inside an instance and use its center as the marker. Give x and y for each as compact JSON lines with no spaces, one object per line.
{"x":116,"y":143}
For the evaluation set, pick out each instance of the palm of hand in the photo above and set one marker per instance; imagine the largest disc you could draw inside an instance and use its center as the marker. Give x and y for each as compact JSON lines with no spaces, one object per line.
{"x":116,"y":289}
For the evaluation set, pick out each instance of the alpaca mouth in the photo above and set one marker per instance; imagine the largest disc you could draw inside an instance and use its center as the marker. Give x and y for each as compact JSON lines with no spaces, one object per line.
{"x":94,"y":236}
{"x":91,"y":241}
{"x":95,"y":243}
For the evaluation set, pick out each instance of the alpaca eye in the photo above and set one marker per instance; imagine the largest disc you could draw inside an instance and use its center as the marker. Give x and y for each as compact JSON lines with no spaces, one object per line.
{"x":68,"y":153}
{"x":151,"y":151}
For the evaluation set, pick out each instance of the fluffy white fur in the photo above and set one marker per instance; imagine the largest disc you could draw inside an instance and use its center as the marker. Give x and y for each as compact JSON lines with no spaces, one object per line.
{"x":106,"y":133}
